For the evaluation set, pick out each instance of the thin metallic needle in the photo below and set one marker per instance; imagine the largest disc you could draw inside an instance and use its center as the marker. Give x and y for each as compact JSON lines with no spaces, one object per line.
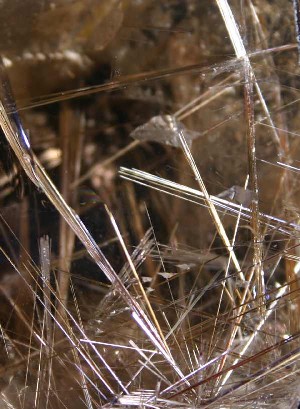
{"x":19,"y":142}
{"x":8,"y":102}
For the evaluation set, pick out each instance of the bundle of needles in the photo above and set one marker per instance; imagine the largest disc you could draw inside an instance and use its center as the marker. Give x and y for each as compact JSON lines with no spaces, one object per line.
{"x":149,"y":214}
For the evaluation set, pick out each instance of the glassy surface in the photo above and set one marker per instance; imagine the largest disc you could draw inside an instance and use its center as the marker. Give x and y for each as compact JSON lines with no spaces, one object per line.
{"x":149,"y":208}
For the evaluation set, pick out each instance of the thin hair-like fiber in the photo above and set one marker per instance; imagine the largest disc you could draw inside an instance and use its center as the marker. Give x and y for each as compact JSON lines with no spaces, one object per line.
{"x":149,"y":213}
